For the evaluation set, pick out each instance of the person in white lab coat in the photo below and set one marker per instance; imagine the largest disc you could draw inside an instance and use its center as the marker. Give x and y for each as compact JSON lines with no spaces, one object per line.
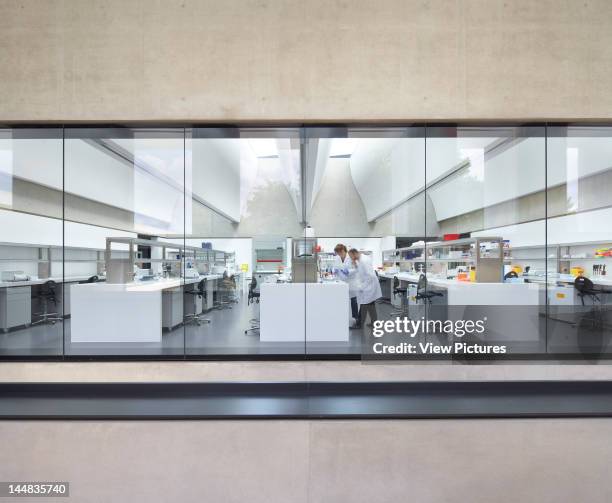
{"x":345,"y":271}
{"x":368,"y":286}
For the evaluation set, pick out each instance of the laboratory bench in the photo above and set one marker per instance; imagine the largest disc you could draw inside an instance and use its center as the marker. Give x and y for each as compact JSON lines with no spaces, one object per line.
{"x":511,"y":310}
{"x":134,"y":312}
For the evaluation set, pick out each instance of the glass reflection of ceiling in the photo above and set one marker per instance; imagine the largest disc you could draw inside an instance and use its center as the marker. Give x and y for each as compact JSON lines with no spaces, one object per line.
{"x":342,"y":147}
{"x":6,"y":173}
{"x":264,"y":147}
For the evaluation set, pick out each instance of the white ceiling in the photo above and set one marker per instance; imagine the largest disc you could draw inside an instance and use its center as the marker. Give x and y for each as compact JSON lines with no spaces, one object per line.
{"x":385,"y":170}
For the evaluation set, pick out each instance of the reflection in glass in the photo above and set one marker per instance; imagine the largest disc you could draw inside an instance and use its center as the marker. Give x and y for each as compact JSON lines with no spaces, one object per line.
{"x":31,"y":279}
{"x":123,"y":231}
{"x":579,"y":235}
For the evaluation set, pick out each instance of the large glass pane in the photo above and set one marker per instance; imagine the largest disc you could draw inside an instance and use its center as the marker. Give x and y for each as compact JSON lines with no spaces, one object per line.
{"x":243,"y":231}
{"x":124,"y":226}
{"x":486,"y":258}
{"x":579,"y":201}
{"x":364,"y":191}
{"x":31,"y":276}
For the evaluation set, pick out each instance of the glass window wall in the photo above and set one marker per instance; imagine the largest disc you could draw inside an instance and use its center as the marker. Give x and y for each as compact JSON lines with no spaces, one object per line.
{"x":231,"y":242}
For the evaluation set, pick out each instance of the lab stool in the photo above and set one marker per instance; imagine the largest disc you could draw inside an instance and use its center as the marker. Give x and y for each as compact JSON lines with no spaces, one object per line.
{"x":403,"y":293}
{"x":422,"y":293}
{"x":47,"y":295}
{"x":252,"y":299}
{"x":195,"y":317}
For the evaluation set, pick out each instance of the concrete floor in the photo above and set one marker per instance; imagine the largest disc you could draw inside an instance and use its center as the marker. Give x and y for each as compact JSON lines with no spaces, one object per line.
{"x":225,"y":335}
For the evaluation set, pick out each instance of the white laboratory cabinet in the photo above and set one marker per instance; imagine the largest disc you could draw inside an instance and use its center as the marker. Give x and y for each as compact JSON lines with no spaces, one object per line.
{"x":294,"y":312}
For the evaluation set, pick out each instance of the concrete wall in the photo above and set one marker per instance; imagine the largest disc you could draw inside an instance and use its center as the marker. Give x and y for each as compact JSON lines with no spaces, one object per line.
{"x":103,"y":60}
{"x":294,"y":371}
{"x":338,"y":210}
{"x":532,"y":461}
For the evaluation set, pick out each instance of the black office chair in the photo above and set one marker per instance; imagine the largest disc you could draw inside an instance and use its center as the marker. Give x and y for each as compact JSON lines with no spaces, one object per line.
{"x":47,"y":294}
{"x":253,"y":297}
{"x":199,"y":291}
{"x":403,"y":293}
{"x":422,"y":292}
{"x":253,"y":294}
{"x":510,"y":274}
{"x":585,"y":288}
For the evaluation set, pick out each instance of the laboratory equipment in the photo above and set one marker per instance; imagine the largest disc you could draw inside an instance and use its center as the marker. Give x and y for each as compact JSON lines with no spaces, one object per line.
{"x":304,"y":261}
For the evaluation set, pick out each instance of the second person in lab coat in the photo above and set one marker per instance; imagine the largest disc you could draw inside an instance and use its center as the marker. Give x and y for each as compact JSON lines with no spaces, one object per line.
{"x":345,"y":271}
{"x":368,"y":285}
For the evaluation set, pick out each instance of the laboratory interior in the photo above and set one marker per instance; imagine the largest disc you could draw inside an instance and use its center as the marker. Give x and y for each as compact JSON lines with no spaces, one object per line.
{"x":261,"y":241}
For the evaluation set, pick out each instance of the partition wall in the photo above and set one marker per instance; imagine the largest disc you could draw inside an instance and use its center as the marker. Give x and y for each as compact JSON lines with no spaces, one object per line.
{"x":218,"y":242}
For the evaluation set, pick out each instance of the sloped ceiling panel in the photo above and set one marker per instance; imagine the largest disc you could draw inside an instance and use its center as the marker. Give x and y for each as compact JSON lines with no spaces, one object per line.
{"x":386,"y":171}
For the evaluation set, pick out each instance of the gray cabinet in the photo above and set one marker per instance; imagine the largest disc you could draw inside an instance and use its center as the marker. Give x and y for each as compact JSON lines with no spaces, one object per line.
{"x":64,"y":298}
{"x":15,"y":307}
{"x":172,"y":307}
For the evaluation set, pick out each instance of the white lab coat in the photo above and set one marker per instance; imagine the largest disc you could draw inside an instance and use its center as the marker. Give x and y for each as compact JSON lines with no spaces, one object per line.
{"x":345,"y":271}
{"x":368,"y":284}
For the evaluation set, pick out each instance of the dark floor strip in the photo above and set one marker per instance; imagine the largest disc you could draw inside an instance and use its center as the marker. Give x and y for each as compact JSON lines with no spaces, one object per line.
{"x":329,"y":400}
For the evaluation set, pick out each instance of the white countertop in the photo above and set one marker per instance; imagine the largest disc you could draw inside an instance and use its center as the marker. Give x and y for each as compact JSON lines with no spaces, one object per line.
{"x":150,"y":286}
{"x":414,"y":278}
{"x":464,"y":293}
{"x":189,"y":281}
{"x":40,"y":281}
{"x":301,"y":285}
{"x":555,"y":279}
{"x":73,"y":279}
